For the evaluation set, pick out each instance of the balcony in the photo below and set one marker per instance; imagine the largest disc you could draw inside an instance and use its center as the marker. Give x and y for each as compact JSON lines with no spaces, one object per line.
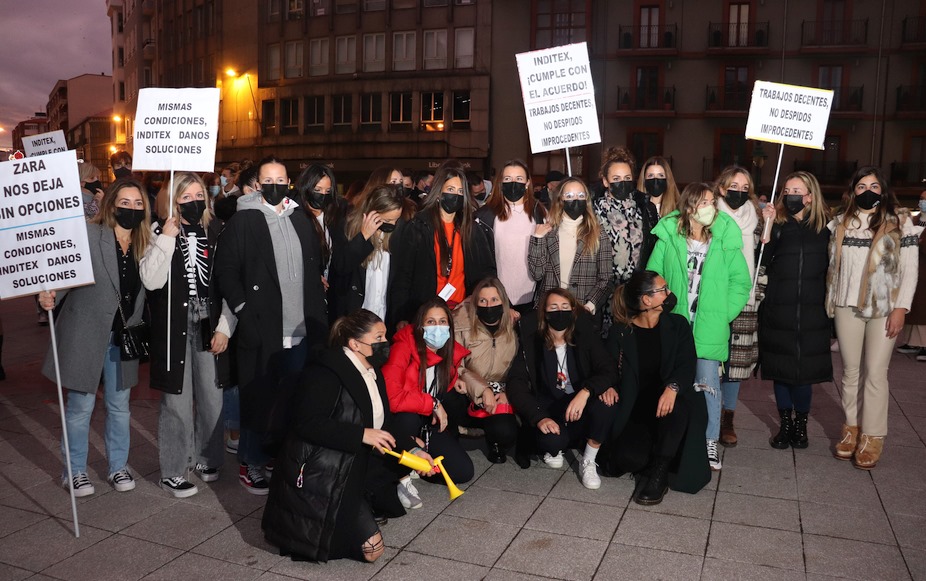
{"x":646,"y":99}
{"x":834,"y":33}
{"x":833,"y":173}
{"x":908,"y":174}
{"x":724,"y":35}
{"x":911,"y":99}
{"x":658,"y":37}
{"x":149,"y":50}
{"x":914,"y":31}
{"x":847,"y":99}
{"x":729,"y":98}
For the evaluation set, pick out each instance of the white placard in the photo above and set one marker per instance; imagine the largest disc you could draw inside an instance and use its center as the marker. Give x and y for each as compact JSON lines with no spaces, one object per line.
{"x":789,"y":114}
{"x":44,"y":143}
{"x":176,"y":129}
{"x":43,"y":234}
{"x":559,"y":97}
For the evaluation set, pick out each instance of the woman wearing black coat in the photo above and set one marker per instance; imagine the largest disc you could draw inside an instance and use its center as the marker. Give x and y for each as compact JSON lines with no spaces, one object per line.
{"x":658,"y":433}
{"x":794,"y":330}
{"x":317,"y":508}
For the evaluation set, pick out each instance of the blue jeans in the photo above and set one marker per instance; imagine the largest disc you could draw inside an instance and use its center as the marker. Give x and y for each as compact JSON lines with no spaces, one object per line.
{"x":80,"y":407}
{"x":707,"y":379}
{"x":730,"y":391}
{"x":793,"y":396}
{"x":231,"y":408}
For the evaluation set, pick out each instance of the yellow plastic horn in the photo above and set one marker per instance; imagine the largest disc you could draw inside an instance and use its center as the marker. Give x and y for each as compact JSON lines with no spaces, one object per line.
{"x":451,"y":487}
{"x":410,"y":460}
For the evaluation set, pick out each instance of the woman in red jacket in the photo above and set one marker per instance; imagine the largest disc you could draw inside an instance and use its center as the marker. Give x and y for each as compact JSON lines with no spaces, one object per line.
{"x":415,"y":391}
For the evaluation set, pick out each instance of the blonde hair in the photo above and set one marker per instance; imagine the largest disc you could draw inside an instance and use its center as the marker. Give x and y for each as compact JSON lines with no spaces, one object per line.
{"x":86,"y":171}
{"x":380,"y":199}
{"x":817,"y":213}
{"x":506,"y":323}
{"x":183,"y":180}
{"x":589,"y":230}
{"x":688,"y":205}
{"x":670,"y":198}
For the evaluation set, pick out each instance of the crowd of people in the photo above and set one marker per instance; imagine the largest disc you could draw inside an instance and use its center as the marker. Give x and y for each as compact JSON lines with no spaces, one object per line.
{"x":307,"y":331}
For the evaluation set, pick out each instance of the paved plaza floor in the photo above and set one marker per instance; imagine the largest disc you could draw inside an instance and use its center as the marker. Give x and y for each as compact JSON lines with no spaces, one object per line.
{"x":769,"y":514}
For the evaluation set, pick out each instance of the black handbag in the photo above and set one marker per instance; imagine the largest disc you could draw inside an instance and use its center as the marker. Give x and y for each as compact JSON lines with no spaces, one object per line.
{"x":133,"y":341}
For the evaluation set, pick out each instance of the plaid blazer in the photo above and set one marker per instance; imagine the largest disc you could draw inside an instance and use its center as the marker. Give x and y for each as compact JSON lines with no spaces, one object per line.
{"x":590,"y":278}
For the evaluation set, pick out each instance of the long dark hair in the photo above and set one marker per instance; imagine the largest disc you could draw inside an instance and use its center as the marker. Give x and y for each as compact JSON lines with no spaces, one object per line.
{"x":445,"y":367}
{"x":305,"y":185}
{"x":497,"y":201}
{"x":625,"y":304}
{"x":141,"y":234}
{"x":352,"y":326}
{"x":886,"y":210}
{"x":463,"y":219}
{"x":543,"y":328}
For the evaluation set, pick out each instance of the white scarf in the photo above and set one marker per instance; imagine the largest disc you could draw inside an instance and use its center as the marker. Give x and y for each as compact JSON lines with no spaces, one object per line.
{"x":747,"y":218}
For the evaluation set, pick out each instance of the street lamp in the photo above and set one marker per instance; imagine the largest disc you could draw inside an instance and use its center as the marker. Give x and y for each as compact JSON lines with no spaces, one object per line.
{"x":232,"y":73}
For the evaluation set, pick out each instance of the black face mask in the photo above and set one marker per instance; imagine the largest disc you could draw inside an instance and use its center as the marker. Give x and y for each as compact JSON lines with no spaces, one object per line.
{"x":380,"y":354}
{"x":621,"y":190}
{"x":92,"y":187}
{"x":317,"y":200}
{"x":656,"y":187}
{"x":736,"y":198}
{"x":575,"y":209}
{"x":490,"y":315}
{"x":559,"y":320}
{"x":129,"y":218}
{"x":274,"y":193}
{"x":513,"y":191}
{"x":669,"y":303}
{"x":122,"y":172}
{"x":481,"y":197}
{"x":867,"y":200}
{"x":400,"y":191}
{"x":451,"y":203}
{"x":192,"y":211}
{"x":793,"y":204}
{"x":386,"y":227}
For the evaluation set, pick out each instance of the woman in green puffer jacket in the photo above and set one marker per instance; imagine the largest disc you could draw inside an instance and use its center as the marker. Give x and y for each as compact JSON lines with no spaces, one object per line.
{"x":699,"y":253}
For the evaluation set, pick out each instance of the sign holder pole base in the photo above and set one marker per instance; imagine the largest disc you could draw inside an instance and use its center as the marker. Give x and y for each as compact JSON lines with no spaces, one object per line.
{"x":170,"y":214}
{"x":64,"y":427}
{"x":568,"y":164}
{"x":766,"y":230}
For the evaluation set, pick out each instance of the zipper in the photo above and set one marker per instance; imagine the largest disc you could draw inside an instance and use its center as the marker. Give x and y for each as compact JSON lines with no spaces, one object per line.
{"x":800,"y":278}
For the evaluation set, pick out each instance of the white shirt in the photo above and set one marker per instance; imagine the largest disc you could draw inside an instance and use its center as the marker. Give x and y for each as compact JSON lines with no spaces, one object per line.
{"x":697,"y":253}
{"x":377,"y":279}
{"x":369,"y":377}
{"x":562,"y":367}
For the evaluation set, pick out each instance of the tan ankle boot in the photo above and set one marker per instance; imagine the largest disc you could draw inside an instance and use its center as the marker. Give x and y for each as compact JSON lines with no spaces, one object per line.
{"x":846,"y":447}
{"x":868,"y":452}
{"x":727,"y":433}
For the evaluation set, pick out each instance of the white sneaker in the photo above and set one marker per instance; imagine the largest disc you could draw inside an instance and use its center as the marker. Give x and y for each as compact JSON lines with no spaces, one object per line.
{"x":589,"y":471}
{"x":553,"y":461}
{"x":122,"y":481}
{"x":408,"y":494}
{"x":713,"y":455}
{"x":82,"y":484}
{"x":231,"y":446}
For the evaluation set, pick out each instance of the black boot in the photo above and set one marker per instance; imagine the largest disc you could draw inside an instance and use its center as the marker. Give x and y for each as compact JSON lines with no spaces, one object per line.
{"x":496,"y":454}
{"x":799,"y":431}
{"x":782,"y":439}
{"x":656,"y":486}
{"x":524,"y":447}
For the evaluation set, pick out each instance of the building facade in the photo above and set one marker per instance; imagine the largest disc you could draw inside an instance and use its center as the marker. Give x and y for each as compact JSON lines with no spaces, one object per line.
{"x":73,"y":100}
{"x":34,"y":126}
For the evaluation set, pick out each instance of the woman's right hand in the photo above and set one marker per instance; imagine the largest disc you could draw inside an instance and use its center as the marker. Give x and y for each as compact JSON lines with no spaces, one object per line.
{"x":542,"y":230}
{"x":171,"y":227}
{"x":47,"y":300}
{"x":548,"y":426}
{"x":379,"y":439}
{"x":371,"y":222}
{"x":488,"y":400}
{"x":439,"y":417}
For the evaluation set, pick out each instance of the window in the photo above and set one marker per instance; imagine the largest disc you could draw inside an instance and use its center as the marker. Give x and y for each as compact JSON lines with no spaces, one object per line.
{"x":345,"y":55}
{"x":210,"y":18}
{"x":120,"y":59}
{"x":435,"y":49}
{"x":371,"y":111}
{"x":320,"y":7}
{"x":273,"y":62}
{"x":400,"y":110}
{"x":736,"y":88}
{"x":148,"y":79}
{"x":830,"y":77}
{"x":738,"y":34}
{"x":461,"y":109}
{"x":647,"y":89}
{"x":560,"y":22}
{"x":318,"y":57}
{"x":649,"y":27}
{"x":121,"y":91}
{"x":463,"y":48}
{"x":269,"y":116}
{"x":374,"y":5}
{"x":315,"y":112}
{"x":200,"y":21}
{"x":645,"y":142}
{"x":432,"y":111}
{"x":345,"y":6}
{"x":273,"y":9}
{"x":341,"y":106}
{"x":200,"y":71}
{"x":374,"y":52}
{"x":430,"y":3}
{"x":403,"y":51}
{"x":289,"y":116}
{"x":400,"y":4}
{"x":295,"y":10}
{"x":294,"y":55}
{"x":120,"y":22}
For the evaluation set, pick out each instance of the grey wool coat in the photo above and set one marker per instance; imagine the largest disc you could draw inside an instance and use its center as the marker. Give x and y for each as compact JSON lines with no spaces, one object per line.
{"x":85,"y":322}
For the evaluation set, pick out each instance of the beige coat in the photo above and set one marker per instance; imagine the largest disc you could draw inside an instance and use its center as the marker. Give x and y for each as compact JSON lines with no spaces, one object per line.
{"x":489,"y":359}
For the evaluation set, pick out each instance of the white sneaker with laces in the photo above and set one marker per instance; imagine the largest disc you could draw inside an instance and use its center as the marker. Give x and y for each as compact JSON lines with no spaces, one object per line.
{"x":408,"y":494}
{"x":589,"y":472}
{"x":179,"y":487}
{"x":713,"y":455}
{"x":553,"y":461}
{"x":82,"y":484}
{"x":122,"y":481}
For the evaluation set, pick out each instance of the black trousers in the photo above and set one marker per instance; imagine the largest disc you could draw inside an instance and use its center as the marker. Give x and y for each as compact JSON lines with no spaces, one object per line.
{"x":643,"y":439}
{"x":595,"y":424}
{"x":447,"y":444}
{"x":501,"y":430}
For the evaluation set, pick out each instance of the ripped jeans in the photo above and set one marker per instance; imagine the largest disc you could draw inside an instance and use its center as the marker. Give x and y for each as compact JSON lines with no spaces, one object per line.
{"x":707,"y":379}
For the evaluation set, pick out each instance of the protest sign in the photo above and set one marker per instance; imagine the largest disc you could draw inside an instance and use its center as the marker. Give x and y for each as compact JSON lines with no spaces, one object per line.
{"x":176,"y":129}
{"x":789,"y":114}
{"x":44,"y":143}
{"x":43,"y":234}
{"x":559,"y":97}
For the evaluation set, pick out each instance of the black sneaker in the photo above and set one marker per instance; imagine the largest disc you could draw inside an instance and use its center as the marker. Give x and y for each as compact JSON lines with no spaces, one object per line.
{"x":179,"y":486}
{"x":82,"y":485}
{"x":252,"y":478}
{"x":207,"y":474}
{"x":907,"y":349}
{"x":921,"y":354}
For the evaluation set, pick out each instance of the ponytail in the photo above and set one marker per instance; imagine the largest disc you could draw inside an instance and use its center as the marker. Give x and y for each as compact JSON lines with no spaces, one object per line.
{"x":352,"y":326}
{"x":625,"y":304}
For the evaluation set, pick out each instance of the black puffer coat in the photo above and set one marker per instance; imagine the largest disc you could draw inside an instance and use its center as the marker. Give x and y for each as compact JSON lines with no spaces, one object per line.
{"x":308,"y":516}
{"x":794,"y":331}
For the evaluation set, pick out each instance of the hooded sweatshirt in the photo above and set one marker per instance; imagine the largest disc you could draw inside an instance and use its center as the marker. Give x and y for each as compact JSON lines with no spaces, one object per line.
{"x":287,"y":253}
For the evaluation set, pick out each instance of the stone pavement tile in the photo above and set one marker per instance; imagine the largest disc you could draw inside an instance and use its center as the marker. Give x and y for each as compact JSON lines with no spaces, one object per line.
{"x":900,"y":499}
{"x":719,"y":570}
{"x":758,"y":472}
{"x":117,"y":558}
{"x":10,"y":573}
{"x":917,"y":409}
{"x":916,"y":562}
{"x":335,"y":570}
{"x":182,"y":526}
{"x":755,"y":545}
{"x":190,"y":566}
{"x":832,"y":481}
{"x":845,"y":522}
{"x":398,"y":532}
{"x":494,"y":506}
{"x":753,"y":438}
{"x":50,"y":498}
{"x":460,"y":539}
{"x":503,"y":575}
{"x":700,"y":505}
{"x":550,"y":555}
{"x":511,"y":477}
{"x":225,"y":494}
{"x":903,"y":466}
{"x":613,"y":491}
{"x":407,"y":565}
{"x":116,"y":511}
{"x":25,"y":476}
{"x":19,"y":548}
{"x":663,"y":531}
{"x":13,"y":519}
{"x":242,"y":544}
{"x":638,"y":563}
{"x":853,"y":559}
{"x":910,"y":530}
{"x":575,"y":519}
{"x":758,"y":511}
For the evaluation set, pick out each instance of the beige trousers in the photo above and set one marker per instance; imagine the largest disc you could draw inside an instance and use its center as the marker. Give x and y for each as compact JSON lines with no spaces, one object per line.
{"x":862,"y":339}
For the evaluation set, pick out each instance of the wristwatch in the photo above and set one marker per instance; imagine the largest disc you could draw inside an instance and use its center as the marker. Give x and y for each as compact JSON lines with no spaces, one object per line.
{"x":436,"y":404}
{"x":673,"y":386}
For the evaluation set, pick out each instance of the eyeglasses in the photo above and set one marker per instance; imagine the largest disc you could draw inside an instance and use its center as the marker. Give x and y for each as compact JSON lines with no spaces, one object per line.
{"x":569,"y":196}
{"x":664,"y":289}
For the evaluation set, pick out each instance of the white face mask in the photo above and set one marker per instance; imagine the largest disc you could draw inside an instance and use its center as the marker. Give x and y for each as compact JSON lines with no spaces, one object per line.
{"x":705,"y":216}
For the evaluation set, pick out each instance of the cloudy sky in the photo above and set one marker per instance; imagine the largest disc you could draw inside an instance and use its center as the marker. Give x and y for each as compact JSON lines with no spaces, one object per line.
{"x":43,"y":41}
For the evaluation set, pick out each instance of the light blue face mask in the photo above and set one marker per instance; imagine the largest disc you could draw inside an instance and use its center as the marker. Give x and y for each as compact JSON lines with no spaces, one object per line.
{"x":436,"y":336}
{"x":223,"y":180}
{"x":214,"y":190}
{"x":923,"y":206}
